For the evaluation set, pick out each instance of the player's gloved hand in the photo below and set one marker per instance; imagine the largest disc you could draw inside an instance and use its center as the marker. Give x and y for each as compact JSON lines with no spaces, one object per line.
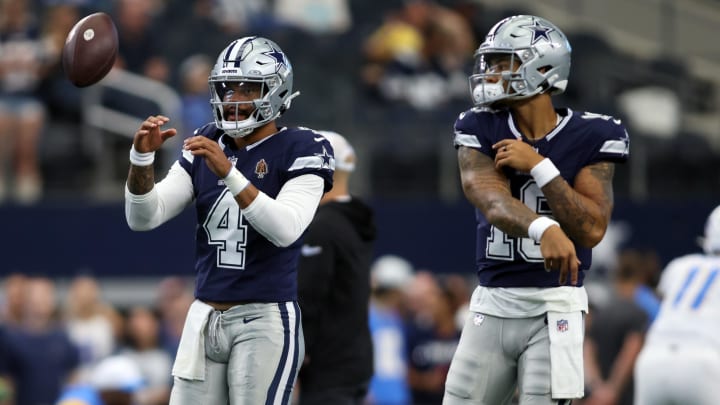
{"x":559,"y":253}
{"x":215,"y":158}
{"x":150,"y":137}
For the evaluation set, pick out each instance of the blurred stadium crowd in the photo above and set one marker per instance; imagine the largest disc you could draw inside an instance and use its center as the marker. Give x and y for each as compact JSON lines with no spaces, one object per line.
{"x":389,"y":75}
{"x":54,"y":336}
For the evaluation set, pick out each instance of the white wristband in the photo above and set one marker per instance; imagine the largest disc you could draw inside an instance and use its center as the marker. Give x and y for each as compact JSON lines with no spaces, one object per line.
{"x":141,"y":159}
{"x":235,"y":181}
{"x":544,"y":171}
{"x":538,"y":227}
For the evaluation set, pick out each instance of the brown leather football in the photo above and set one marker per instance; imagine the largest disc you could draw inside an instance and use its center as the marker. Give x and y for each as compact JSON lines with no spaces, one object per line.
{"x":90,"y":50}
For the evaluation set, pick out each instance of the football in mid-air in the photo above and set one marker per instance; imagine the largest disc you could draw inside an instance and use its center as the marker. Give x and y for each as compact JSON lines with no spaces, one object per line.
{"x":90,"y":50}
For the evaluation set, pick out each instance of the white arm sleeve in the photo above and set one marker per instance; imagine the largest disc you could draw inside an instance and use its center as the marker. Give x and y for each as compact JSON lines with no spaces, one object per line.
{"x":167,"y":199}
{"x":285,"y":218}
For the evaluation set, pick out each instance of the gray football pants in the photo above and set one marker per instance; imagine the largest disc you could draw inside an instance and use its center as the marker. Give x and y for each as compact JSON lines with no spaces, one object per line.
{"x":253,"y":355}
{"x":496,"y":356}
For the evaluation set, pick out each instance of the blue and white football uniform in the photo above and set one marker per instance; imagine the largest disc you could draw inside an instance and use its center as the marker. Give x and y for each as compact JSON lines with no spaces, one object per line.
{"x":680,"y":361}
{"x":580,"y":139}
{"x":517,"y":302}
{"x":251,"y":352}
{"x":235,"y":262}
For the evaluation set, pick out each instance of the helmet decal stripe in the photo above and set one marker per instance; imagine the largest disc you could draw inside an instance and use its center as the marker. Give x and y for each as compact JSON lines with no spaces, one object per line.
{"x":229,"y":50}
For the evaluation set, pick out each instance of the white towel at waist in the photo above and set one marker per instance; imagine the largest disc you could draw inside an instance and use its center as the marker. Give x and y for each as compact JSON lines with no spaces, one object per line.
{"x":566,"y":330}
{"x":190,"y":358}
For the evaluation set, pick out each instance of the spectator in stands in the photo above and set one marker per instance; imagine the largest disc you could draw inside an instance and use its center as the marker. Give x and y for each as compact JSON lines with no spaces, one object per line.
{"x":60,"y":96}
{"x":195,"y":93}
{"x":12,"y":307}
{"x":390,"y":277}
{"x":249,"y":16}
{"x":41,"y":359}
{"x":174,"y":297}
{"x":646,"y":295}
{"x":143,"y":347}
{"x":89,"y":322}
{"x":22,"y":114}
{"x":458,"y":291}
{"x":140,"y":49}
{"x":420,"y":56}
{"x":432,"y":336}
{"x":319,"y":17}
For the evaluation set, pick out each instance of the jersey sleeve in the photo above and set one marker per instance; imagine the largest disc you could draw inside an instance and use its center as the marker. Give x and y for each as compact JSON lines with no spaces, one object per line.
{"x":471,"y":130}
{"x":312,"y":155}
{"x":611,"y":142}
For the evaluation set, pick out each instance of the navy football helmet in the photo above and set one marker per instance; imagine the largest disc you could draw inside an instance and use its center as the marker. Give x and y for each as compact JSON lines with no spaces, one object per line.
{"x":539,"y":61}
{"x":251,"y":60}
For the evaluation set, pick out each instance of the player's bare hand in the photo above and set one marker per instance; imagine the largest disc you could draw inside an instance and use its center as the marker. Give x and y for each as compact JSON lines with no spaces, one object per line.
{"x":559,"y":253}
{"x":150,"y":136}
{"x":215,"y":158}
{"x":516,"y":154}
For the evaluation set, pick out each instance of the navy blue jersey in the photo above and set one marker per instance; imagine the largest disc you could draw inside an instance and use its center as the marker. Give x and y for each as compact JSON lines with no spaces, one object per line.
{"x":234,"y":262}
{"x":580,"y":139}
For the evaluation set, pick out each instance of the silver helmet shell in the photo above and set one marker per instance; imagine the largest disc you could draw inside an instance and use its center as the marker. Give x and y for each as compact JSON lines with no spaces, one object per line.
{"x":537,"y":45}
{"x":251,"y":60}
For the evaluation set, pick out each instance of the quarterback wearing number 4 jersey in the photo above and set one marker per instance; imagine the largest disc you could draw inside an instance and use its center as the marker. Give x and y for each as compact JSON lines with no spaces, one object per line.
{"x":256,"y":187}
{"x":540,"y":178}
{"x":235,"y":262}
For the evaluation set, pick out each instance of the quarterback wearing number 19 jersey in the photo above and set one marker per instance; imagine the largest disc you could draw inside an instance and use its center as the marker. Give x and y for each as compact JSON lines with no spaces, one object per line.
{"x":235,"y":263}
{"x":578,"y":140}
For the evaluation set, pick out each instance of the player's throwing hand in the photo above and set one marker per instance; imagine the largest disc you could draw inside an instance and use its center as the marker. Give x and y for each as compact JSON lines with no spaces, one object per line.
{"x":150,"y":137}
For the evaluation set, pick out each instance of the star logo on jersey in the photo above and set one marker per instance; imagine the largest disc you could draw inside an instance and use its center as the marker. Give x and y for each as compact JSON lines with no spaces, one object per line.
{"x":233,"y":160}
{"x":326,"y":157}
{"x":261,"y":168}
{"x":539,"y":31}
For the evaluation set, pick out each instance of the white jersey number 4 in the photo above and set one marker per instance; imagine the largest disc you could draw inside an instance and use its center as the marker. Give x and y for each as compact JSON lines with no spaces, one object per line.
{"x":224,"y":229}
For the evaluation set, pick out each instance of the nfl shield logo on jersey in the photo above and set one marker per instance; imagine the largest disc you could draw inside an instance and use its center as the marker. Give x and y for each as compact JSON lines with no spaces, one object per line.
{"x":562,"y":325}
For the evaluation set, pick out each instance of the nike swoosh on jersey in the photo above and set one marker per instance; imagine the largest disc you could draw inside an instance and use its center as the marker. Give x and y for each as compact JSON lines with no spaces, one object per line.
{"x":248,"y":320}
{"x":318,"y":139}
{"x":307,"y":250}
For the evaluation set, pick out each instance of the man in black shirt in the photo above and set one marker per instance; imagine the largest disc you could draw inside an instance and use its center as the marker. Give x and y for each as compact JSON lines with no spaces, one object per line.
{"x":333,"y":291}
